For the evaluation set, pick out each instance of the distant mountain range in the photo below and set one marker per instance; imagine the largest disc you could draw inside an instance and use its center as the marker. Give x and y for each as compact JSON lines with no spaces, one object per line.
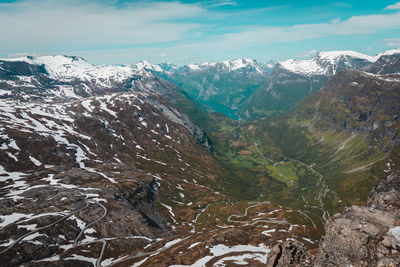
{"x":292,"y":80}
{"x":240,"y":88}
{"x":222,"y":86}
{"x":245,"y":88}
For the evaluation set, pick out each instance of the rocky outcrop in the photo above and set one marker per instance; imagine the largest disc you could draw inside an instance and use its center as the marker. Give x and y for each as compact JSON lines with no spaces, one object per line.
{"x":182,"y":119}
{"x":360,"y":236}
{"x":366,"y":236}
{"x":386,"y":195}
{"x":290,"y":253}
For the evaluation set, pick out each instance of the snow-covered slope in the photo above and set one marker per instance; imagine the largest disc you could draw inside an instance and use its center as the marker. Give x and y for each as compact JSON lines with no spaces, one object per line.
{"x":327,"y":63}
{"x":387,"y":62}
{"x":119,"y":157}
{"x":230,"y":65}
{"x":388,"y":53}
{"x":66,"y":68}
{"x":59,"y":78}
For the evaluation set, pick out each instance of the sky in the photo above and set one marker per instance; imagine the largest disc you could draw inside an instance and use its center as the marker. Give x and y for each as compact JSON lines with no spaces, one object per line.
{"x":183,"y":32}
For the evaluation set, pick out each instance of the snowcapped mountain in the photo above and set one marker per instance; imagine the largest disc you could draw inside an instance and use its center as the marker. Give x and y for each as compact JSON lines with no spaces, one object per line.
{"x":388,"y":53}
{"x":220,"y":85}
{"x":386,"y":63}
{"x":230,"y":66}
{"x":292,"y":80}
{"x":327,"y":63}
{"x":57,"y":78}
{"x":67,"y":68}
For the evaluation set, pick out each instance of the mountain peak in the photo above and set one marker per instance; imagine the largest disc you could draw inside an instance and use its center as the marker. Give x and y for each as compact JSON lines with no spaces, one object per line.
{"x":228,"y":65}
{"x":327,"y":63}
{"x":53,"y":59}
{"x":334,"y":55}
{"x":304,"y":67}
{"x":145,"y":65}
{"x":238,"y":63}
{"x":389,"y":52}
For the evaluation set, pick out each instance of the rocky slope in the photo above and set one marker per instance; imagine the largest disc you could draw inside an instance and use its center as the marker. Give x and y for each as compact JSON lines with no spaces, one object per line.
{"x":366,"y":236}
{"x":75,"y":176}
{"x":79,"y":173}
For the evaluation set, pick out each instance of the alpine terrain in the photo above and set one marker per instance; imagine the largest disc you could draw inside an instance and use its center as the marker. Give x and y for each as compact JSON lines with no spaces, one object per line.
{"x":229,"y":163}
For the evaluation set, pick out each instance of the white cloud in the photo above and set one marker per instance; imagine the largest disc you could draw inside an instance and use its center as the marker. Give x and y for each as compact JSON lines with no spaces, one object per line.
{"x":216,"y":3}
{"x":357,"y":25}
{"x":392,"y":42}
{"x":393,"y":7}
{"x":110,"y":33}
{"x":78,"y":24}
{"x":22,"y":54}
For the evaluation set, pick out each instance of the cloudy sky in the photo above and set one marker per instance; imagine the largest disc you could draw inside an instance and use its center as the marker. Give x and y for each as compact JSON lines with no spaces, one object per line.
{"x":180,"y":32}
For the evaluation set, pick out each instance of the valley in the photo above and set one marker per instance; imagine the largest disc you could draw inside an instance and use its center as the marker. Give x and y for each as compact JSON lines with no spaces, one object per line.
{"x":135,"y":166}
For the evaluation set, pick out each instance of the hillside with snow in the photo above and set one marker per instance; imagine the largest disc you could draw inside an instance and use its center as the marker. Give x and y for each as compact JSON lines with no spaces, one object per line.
{"x":329,"y":63}
{"x":59,"y":78}
{"x":292,"y":80}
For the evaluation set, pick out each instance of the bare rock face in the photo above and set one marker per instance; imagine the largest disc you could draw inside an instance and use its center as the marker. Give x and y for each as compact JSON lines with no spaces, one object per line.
{"x":365,"y":236}
{"x":290,"y":253}
{"x":386,"y":195}
{"x":360,"y":236}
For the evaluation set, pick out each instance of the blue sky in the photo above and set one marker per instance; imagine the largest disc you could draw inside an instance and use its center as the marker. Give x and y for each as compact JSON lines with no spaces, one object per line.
{"x":181,"y":32}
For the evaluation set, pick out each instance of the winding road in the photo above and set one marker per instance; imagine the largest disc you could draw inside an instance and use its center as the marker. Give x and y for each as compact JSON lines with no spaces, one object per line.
{"x":44,"y":227}
{"x":319,"y":196}
{"x":254,"y":204}
{"x":103,"y":241}
{"x":90,"y":224}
